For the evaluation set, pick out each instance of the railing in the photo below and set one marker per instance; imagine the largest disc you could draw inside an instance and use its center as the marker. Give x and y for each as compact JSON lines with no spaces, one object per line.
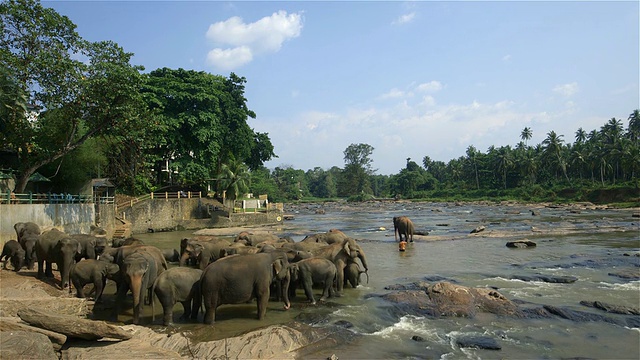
{"x":48,"y":198}
{"x":158,"y":195}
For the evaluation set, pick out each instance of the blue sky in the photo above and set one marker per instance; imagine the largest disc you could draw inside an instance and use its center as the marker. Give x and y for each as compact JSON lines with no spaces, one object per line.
{"x":411,"y":79}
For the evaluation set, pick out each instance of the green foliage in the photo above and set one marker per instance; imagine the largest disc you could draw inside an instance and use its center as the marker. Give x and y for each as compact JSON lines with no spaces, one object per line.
{"x":82,"y":100}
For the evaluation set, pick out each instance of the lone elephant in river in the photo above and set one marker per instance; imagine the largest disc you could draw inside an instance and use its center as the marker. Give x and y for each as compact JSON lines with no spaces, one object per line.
{"x":91,"y":271}
{"x":54,"y":246}
{"x":178,"y":284}
{"x":238,"y":279}
{"x":403,"y":226}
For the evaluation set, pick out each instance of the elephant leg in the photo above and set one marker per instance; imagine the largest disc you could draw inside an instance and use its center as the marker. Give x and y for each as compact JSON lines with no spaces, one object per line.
{"x":40,"y":269}
{"x":167,"y":303}
{"x":308,"y":290}
{"x":340,"y":266}
{"x":48,"y":272}
{"x":325,"y":291}
{"x":79,"y":288}
{"x":186,"y":305}
{"x":263,"y":300}
{"x":210,"y":304}
{"x":98,"y":285}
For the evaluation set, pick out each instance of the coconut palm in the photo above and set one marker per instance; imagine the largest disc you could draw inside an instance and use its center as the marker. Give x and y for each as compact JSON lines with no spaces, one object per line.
{"x":234,"y":177}
{"x":553,"y":149}
{"x":526,"y":134}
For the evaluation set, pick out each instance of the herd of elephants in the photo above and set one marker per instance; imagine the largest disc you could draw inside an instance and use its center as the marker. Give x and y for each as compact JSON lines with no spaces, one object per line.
{"x":212,"y":270}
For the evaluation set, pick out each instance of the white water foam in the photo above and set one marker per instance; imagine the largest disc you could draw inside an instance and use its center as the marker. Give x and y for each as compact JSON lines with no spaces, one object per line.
{"x":409,"y":324}
{"x":632,"y":285}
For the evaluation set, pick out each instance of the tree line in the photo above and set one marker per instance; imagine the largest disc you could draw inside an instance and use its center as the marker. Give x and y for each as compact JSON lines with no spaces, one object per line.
{"x":75,"y":110}
{"x":601,"y":158}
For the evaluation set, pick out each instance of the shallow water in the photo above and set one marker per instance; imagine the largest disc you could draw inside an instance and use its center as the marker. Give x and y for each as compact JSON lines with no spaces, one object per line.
{"x":475,"y":261}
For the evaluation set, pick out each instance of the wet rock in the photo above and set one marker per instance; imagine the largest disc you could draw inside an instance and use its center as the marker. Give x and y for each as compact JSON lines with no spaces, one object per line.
{"x":72,"y":326}
{"x":9,"y":324}
{"x":610,"y":308}
{"x":546,"y":278}
{"x":550,"y":311}
{"x":522,"y":244}
{"x":25,"y":345}
{"x":417,"y":338}
{"x":478,"y":342}
{"x":344,"y":323}
{"x":627,"y":274}
{"x":478,"y":229}
{"x":447,"y":299}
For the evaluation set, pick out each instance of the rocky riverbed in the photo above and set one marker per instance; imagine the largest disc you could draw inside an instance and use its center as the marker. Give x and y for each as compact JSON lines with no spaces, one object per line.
{"x":24,"y":298}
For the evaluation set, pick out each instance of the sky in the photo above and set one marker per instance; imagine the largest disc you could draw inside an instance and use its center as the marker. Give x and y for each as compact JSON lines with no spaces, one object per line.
{"x":411,"y":79}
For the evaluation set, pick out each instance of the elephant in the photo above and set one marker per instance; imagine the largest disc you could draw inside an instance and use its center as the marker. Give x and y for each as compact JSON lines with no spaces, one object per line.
{"x":14,"y":252}
{"x":92,"y":271}
{"x":56,"y":246}
{"x":25,"y":228}
{"x":330,"y":237}
{"x":240,"y":278}
{"x":254,"y":239}
{"x":28,"y":233}
{"x":178,"y":284}
{"x":312,"y":271}
{"x":305,"y":246}
{"x":340,"y":254}
{"x":352,"y":274}
{"x":140,"y":270}
{"x":92,"y":246}
{"x":402,"y":225}
{"x":171,"y":255}
{"x":240,"y":250}
{"x":190,"y":248}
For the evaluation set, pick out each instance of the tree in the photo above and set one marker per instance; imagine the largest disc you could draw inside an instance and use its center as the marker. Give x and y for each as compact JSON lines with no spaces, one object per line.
{"x":202,"y":124}
{"x":78,"y":100}
{"x":234,"y":178}
{"x":553,"y":149}
{"x":526,"y":134}
{"x":354,"y":179}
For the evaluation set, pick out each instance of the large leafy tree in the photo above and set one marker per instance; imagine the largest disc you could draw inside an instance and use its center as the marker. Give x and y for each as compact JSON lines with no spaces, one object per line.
{"x":73,"y":100}
{"x":202,"y":124}
{"x":355,"y":176}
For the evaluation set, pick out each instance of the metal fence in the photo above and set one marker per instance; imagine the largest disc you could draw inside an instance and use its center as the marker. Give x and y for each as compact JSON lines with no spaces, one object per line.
{"x":47,"y":198}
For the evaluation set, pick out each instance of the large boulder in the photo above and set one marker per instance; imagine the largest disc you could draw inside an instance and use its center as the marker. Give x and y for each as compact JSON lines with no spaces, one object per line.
{"x":447,"y":299}
{"x":25,"y":345}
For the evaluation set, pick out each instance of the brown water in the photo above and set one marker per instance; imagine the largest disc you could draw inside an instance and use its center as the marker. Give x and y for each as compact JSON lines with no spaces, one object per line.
{"x":599,"y":249}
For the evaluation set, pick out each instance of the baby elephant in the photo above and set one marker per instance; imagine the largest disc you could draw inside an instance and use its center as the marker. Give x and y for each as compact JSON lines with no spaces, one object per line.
{"x":352,"y":274}
{"x":92,"y":271}
{"x":314,"y":271}
{"x":13,"y":251}
{"x":178,"y":284}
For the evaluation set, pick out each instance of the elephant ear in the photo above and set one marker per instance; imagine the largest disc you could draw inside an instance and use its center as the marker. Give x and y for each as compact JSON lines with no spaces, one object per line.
{"x":278,"y":266}
{"x":79,"y":248}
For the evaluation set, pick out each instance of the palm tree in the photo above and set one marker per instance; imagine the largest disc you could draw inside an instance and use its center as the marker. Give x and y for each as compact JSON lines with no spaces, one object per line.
{"x":472,"y":157}
{"x":553,"y":149}
{"x":234,"y":177}
{"x":526,"y":134}
{"x":581,"y":136}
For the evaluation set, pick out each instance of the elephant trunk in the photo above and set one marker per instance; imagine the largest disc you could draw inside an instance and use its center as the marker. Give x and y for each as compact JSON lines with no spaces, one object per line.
{"x":286,"y":282}
{"x":65,"y":268}
{"x":363,"y":259}
{"x":135,"y":284}
{"x":183,"y":258}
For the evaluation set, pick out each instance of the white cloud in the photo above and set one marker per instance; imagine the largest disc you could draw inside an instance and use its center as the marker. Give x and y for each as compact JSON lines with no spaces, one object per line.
{"x":566,"y":89}
{"x":431,"y":86}
{"x":506,"y":58}
{"x":392,"y":94}
{"x":250,"y":39}
{"x":404,"y":19}
{"x":228,"y":59}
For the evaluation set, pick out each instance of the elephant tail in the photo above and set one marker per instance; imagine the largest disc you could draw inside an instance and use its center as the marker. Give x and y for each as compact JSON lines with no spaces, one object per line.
{"x":153,"y":303}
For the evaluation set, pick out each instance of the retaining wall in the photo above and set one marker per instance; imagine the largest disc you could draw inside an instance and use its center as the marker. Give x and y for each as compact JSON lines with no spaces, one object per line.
{"x":70,"y":218}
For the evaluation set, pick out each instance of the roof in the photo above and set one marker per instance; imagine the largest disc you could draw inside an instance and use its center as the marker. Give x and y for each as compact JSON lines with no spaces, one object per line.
{"x":37,"y":177}
{"x":101,"y":183}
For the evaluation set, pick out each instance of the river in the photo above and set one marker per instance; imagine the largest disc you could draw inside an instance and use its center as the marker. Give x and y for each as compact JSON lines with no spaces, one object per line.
{"x":589,"y":244}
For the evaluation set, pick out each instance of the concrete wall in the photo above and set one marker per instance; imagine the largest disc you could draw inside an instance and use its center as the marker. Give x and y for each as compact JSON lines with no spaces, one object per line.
{"x":165,"y":215}
{"x":70,"y":218}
